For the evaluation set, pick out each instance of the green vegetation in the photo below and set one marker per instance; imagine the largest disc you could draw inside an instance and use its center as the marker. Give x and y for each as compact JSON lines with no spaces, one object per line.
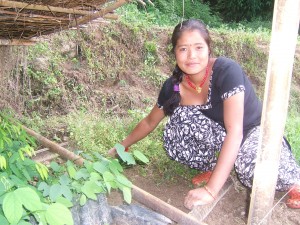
{"x":86,"y":130}
{"x":30,"y":189}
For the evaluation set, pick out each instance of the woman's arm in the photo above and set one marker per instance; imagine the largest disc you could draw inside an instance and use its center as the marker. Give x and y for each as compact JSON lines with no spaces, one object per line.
{"x":233,"y":119}
{"x":142,"y":129}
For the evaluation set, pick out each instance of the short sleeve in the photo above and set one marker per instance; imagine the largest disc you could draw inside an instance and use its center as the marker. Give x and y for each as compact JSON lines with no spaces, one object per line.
{"x":165,"y":93}
{"x":231,"y":79}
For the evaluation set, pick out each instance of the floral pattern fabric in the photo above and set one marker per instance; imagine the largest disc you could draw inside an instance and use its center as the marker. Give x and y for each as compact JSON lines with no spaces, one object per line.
{"x":195,"y":140}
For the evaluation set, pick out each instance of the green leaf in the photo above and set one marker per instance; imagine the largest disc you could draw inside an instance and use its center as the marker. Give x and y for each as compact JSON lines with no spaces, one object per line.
{"x":43,"y":186}
{"x":29,"y":198}
{"x":54,"y":165}
{"x":88,"y":165}
{"x":140,"y":156}
{"x":3,"y":220}
{"x":58,"y":214}
{"x":65,"y":191}
{"x":64,"y":180}
{"x":127,"y":194}
{"x":95,"y":176}
{"x":109,"y":180}
{"x":15,"y":170}
{"x":55,"y":192}
{"x":115,"y":167}
{"x":82,"y":200}
{"x":108,"y":176}
{"x":71,"y":171}
{"x":12,"y":208}
{"x":17,"y":181}
{"x":101,"y":167}
{"x":123,"y":180}
{"x":64,"y":201}
{"x":125,"y":156}
{"x":115,"y":163}
{"x":90,"y":188}
{"x":82,"y":173}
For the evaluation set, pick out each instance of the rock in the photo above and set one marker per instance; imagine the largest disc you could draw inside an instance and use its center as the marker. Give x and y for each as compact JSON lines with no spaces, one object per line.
{"x":137,"y":215}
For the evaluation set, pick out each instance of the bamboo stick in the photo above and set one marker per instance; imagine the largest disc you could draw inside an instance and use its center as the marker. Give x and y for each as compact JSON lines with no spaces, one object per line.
{"x":275,"y":107}
{"x":53,"y":147}
{"x":16,"y":42}
{"x":138,"y":194}
{"x":21,"y":5}
{"x":98,"y":14}
{"x":33,"y":15}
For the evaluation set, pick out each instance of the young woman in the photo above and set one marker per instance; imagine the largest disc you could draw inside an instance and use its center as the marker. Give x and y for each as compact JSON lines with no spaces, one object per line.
{"x":214,"y":119}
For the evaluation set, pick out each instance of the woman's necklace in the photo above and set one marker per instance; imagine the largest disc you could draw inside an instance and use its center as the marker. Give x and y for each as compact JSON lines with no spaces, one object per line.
{"x":199,"y":88}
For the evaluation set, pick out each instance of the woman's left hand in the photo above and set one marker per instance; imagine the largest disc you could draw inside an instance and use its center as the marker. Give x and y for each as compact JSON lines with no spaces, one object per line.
{"x":196,"y":197}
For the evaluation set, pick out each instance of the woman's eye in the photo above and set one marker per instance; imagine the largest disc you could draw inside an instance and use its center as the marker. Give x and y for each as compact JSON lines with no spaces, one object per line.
{"x":182,"y":49}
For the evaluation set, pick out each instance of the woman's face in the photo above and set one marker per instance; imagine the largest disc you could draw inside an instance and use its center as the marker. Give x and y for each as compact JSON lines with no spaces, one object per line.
{"x":192,"y":53}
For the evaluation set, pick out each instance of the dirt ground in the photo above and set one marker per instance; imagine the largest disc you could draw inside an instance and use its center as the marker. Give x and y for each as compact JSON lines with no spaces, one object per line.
{"x":232,"y":209}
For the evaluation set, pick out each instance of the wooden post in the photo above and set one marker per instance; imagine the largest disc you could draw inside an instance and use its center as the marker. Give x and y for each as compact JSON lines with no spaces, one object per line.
{"x":275,"y":105}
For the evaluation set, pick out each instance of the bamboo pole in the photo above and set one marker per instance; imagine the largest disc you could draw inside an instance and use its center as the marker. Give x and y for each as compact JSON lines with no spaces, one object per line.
{"x":275,"y":105}
{"x":53,"y":147}
{"x":98,"y":14}
{"x":11,"y":42}
{"x":21,"y":5}
{"x":138,"y":194}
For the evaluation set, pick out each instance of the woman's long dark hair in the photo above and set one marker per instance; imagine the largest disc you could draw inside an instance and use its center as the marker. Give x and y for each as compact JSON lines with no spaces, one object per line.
{"x":187,"y":25}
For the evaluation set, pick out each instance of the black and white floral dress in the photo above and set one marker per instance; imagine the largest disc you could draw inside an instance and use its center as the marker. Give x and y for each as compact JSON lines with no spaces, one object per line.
{"x":194,"y":134}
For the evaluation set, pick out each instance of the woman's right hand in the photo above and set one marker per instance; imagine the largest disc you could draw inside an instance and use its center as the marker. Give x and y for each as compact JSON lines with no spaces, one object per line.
{"x":112,"y":152}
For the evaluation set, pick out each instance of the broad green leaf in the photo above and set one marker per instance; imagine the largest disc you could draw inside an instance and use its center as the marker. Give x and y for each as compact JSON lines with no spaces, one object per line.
{"x":12,"y":208}
{"x":108,"y":176}
{"x":17,"y":181}
{"x":109,"y":180}
{"x":125,"y":156}
{"x":115,"y":163}
{"x":55,"y":192}
{"x":95,"y":176}
{"x":3,"y":220}
{"x":64,"y":201}
{"x":88,"y":165}
{"x":25,"y":173}
{"x":15,"y":170}
{"x":90,"y":189}
{"x":54,"y":165}
{"x":58,"y":214}
{"x":65,"y":191}
{"x":43,"y":186}
{"x":82,"y":173}
{"x":76,"y":185}
{"x":101,"y":167}
{"x":123,"y":180}
{"x":140,"y":156}
{"x":64,"y":180}
{"x":29,"y":198}
{"x":71,"y":171}
{"x":82,"y":200}
{"x":114,"y":169}
{"x":127,"y":194}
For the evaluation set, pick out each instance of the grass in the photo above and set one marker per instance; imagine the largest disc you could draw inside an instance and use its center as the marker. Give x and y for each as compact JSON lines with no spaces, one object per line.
{"x":98,"y":132}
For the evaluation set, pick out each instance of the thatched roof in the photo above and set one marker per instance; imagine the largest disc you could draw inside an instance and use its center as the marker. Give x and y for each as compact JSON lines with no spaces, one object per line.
{"x":21,"y":21}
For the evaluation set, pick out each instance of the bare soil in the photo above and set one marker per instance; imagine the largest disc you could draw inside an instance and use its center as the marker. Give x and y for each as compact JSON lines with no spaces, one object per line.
{"x":232,"y":209}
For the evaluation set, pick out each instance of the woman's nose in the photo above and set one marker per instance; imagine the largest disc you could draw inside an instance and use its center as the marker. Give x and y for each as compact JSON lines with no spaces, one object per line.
{"x":191,"y":53}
